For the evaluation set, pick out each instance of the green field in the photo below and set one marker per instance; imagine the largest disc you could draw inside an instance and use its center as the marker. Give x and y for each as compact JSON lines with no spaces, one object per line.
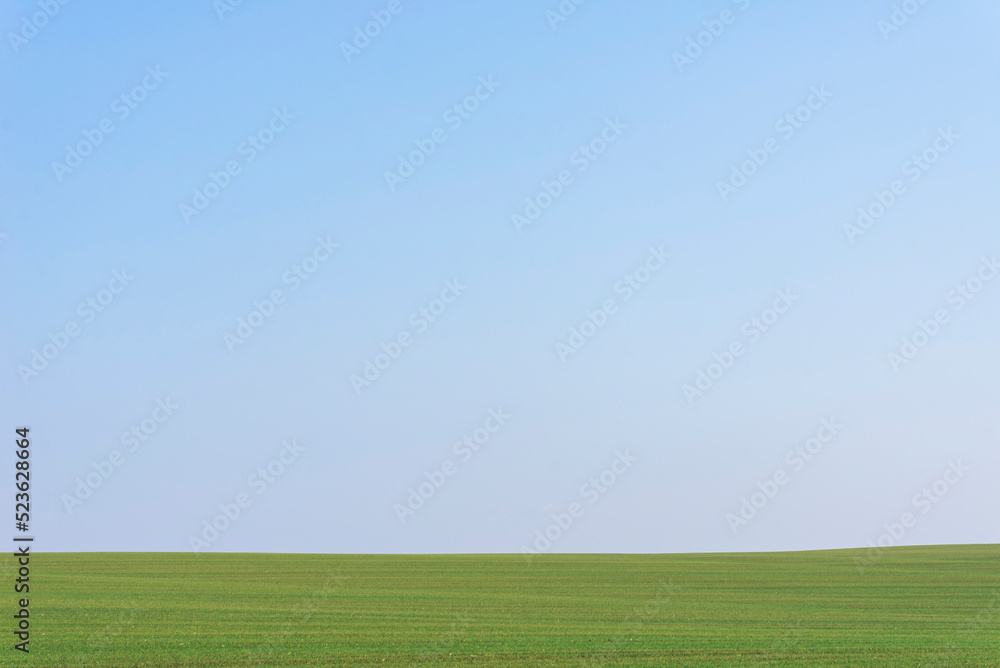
{"x":912,"y":606}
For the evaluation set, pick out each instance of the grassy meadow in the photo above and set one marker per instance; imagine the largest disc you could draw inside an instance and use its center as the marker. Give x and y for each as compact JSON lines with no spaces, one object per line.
{"x":932,"y":606}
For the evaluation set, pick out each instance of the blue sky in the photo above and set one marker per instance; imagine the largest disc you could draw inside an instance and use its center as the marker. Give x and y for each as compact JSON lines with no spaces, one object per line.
{"x":315,"y":197}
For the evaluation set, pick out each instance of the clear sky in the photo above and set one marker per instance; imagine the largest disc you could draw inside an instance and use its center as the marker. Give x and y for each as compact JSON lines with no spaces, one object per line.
{"x":171,"y":169}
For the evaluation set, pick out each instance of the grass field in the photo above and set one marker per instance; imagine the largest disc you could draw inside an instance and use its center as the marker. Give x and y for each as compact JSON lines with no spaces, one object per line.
{"x":913,"y":606}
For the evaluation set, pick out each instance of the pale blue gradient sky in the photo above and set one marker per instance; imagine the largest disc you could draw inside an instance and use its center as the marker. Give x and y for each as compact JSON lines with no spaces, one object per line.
{"x":495,"y":346}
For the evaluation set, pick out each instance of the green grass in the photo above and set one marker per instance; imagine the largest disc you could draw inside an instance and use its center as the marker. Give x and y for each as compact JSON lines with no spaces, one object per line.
{"x":914,"y":606}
